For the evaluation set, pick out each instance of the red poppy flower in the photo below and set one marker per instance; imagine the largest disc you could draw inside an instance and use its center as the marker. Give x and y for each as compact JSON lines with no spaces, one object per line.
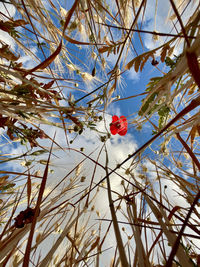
{"x":118,"y":125}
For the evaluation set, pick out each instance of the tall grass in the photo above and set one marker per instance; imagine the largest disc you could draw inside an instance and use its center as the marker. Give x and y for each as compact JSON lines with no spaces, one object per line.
{"x":57,"y":73}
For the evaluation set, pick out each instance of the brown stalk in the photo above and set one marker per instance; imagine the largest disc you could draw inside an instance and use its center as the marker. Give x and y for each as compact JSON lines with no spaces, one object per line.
{"x":148,"y":32}
{"x":37,"y":208}
{"x":159,"y":235}
{"x":154,"y":228}
{"x":11,"y":216}
{"x":180,"y":21}
{"x":193,"y":66}
{"x":120,"y":246}
{"x":143,"y":261}
{"x":188,"y":149}
{"x":178,"y":239}
{"x":92,"y":179}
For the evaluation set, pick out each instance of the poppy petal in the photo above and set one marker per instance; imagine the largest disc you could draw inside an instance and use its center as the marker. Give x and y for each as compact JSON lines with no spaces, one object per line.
{"x":123,"y":121}
{"x":124,"y":124}
{"x":119,"y":125}
{"x":123,"y":132}
{"x":115,"y":118}
{"x":113,"y":129}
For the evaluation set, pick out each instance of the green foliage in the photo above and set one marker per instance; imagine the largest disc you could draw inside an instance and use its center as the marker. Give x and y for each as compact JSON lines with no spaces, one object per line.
{"x":151,"y":98}
{"x":163,"y":113}
{"x":170,"y":62}
{"x":145,"y":106}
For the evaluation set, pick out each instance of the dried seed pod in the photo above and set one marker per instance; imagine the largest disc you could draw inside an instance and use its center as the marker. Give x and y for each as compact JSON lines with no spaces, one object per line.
{"x":154,"y":62}
{"x":94,"y":72}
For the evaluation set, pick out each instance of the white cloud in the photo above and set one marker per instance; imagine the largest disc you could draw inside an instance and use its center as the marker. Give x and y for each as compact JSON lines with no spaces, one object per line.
{"x":133,"y":75}
{"x":9,"y":11}
{"x":6,"y":38}
{"x":29,"y":60}
{"x":158,"y":20}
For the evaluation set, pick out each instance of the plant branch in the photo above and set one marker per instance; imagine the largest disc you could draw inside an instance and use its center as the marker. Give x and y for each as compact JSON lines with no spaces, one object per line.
{"x":120,"y":246}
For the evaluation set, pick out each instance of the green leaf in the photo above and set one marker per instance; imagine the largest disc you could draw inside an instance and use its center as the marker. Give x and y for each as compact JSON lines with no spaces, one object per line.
{"x":163,"y":113}
{"x":147,"y":103}
{"x":38,"y":152}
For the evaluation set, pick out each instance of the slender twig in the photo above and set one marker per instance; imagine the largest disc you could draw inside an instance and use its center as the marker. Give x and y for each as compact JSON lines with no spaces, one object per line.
{"x":178,"y":239}
{"x":120,"y":246}
{"x":148,"y":32}
{"x":37,"y":209}
{"x":188,"y":149}
{"x":180,"y":21}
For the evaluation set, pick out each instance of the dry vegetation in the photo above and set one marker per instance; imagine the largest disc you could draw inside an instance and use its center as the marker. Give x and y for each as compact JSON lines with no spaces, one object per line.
{"x":35,"y":79}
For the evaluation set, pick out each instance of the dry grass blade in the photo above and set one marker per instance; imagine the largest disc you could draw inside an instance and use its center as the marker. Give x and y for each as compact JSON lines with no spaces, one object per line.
{"x":177,"y":242}
{"x":183,"y":258}
{"x":28,"y":189}
{"x":180,"y":21}
{"x":37,"y":211}
{"x":47,"y":61}
{"x":69,"y":15}
{"x":187,"y":148}
{"x":140,"y":255}
{"x":65,"y":231}
{"x":160,"y":234}
{"x":120,"y":246}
